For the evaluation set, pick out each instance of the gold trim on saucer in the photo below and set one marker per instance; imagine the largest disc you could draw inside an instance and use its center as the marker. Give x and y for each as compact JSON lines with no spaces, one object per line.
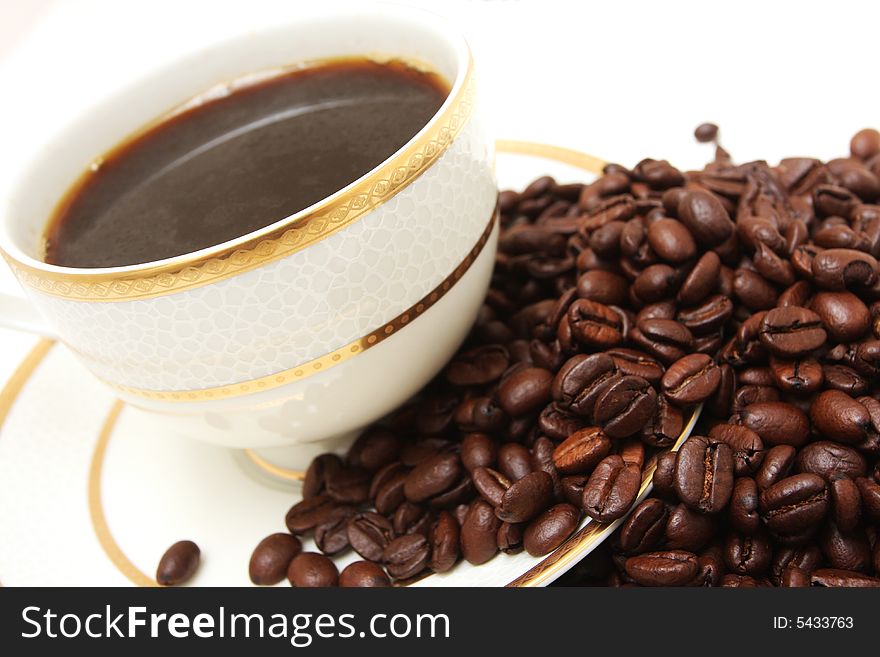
{"x":302,"y":230}
{"x":594,"y":532}
{"x":272,"y":469}
{"x":325,"y":362}
{"x":568,"y":156}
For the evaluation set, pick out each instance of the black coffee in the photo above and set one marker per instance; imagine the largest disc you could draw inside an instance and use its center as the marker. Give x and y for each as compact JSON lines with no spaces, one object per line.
{"x":238,"y":163}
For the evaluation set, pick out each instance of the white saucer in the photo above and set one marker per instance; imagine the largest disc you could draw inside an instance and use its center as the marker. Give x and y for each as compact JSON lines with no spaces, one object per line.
{"x":88,"y":497}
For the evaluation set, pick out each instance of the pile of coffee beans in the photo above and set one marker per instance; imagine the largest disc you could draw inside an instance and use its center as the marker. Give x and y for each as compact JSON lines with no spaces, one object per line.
{"x":616,"y":308}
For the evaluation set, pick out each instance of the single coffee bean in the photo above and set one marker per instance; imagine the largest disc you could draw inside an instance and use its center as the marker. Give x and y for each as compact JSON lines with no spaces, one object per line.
{"x":391,"y":495}
{"x":843,"y":315}
{"x":581,"y":451}
{"x":807,"y":558}
{"x":178,"y":564}
{"x":794,"y":504}
{"x":477,"y":451}
{"x":835,"y":577}
{"x":846,"y":503}
{"x":625,"y":405}
{"x":664,"y":475}
{"x":666,"y":339}
{"x":665,"y":427}
{"x":611,"y":489}
{"x":331,"y":534}
{"x":747,"y":446}
{"x":842,"y":269}
{"x":491,"y":484}
{"x":753,"y":290}
{"x":580,"y":381}
{"x":271,"y":558}
{"x":374,"y":449}
{"x":830,"y":460}
{"x":865,"y":144}
{"x":791,"y":331}
{"x":839,"y":417}
{"x":369,"y":534}
{"x":777,"y":423}
{"x":636,"y":363}
{"x":444,"y":537}
{"x":478,"y":533}
{"x":644,"y":527}
{"x":363,"y":574}
{"x":319,"y":470}
{"x":671,"y":241}
{"x":870,"y":497}
{"x":667,"y":568}
{"x":778,"y":462}
{"x":689,"y":530}
{"x":743,"y":511}
{"x":557,"y":423}
{"x":549,"y":530}
{"x":704,"y":474}
{"x":847,"y":551}
{"x":602,"y":286}
{"x":406,"y":556}
{"x":800,"y":377}
{"x":691,"y":379}
{"x":514,"y":461}
{"x":312,"y":570}
{"x":411,"y":518}
{"x":526,"y":497}
{"x":748,"y":554}
{"x":594,"y":324}
{"x":706,"y":132}
{"x":702,"y":279}
{"x":478,"y":366}
{"x":705,"y":217}
{"x":525,"y":391}
{"x":432,"y":477}
{"x":305,"y":515}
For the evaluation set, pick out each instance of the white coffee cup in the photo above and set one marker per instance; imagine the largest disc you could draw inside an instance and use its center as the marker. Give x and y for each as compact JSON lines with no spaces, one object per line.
{"x":312,"y":327}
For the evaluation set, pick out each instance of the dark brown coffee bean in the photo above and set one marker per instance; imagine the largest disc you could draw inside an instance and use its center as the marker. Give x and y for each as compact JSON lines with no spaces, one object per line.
{"x":731,"y":580}
{"x":557,"y":423}
{"x":794,"y":577}
{"x":845,"y":379}
{"x":347,"y":485}
{"x":411,"y":518}
{"x":625,"y":405}
{"x":636,"y":363}
{"x":747,"y":446}
{"x":369,"y":534}
{"x":525,"y":391}
{"x":477,"y":450}
{"x":594,"y":324}
{"x":778,"y":462}
{"x":665,"y":339}
{"x":526,"y":497}
{"x":704,"y":474}
{"x":331,"y":534}
{"x":772,"y":267}
{"x":178,"y":564}
{"x":478,"y":366}
{"x":668,"y":568}
{"x":846,"y":503}
{"x":794,"y":504}
{"x":374,"y":449}
{"x":445,"y":538}
{"x":656,"y":282}
{"x":777,"y":423}
{"x":751,"y":394}
{"x":791,"y":331}
{"x":491,"y":484}
{"x":514,"y":461}
{"x":701,"y":280}
{"x":580,"y":381}
{"x":611,"y":489}
{"x":604,"y":287}
{"x":432,"y":477}
{"x":865,"y":144}
{"x":271,"y":558}
{"x":800,"y":377}
{"x":390,"y":495}
{"x":830,"y":460}
{"x":807,"y":558}
{"x":846,"y":551}
{"x":665,"y":427}
{"x":706,"y":132}
{"x":363,"y":574}
{"x":510,"y":537}
{"x":870,"y":498}
{"x":839,"y":417}
{"x":753,"y":290}
{"x":691,"y":379}
{"x":748,"y":554}
{"x":705,"y":217}
{"x":664,"y":476}
{"x":841,"y":269}
{"x":687,"y":529}
{"x":835,"y":577}
{"x":581,"y":451}
{"x":843,"y":315}
{"x":743,"y":510}
{"x":305,"y":515}
{"x":319,"y":469}
{"x":671,"y":241}
{"x":644,"y":527}
{"x":406,"y":556}
{"x":549,"y":530}
{"x":478,"y":533}
{"x":312,"y":570}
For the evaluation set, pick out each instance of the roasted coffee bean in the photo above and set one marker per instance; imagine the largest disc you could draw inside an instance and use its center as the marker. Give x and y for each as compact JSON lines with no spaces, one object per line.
{"x":664,"y":475}
{"x":689,"y":530}
{"x":625,"y":405}
{"x":776,"y":465}
{"x":708,"y":317}
{"x":510,"y":537}
{"x":748,"y":554}
{"x":307,"y":514}
{"x":406,"y":556}
{"x":777,"y":423}
{"x":753,"y":290}
{"x":846,"y":503}
{"x":445,"y":537}
{"x":845,"y":379}
{"x":312,"y":570}
{"x":842,"y":269}
{"x":671,"y":241}
{"x":525,"y":391}
{"x":666,"y":339}
{"x":348,"y":485}
{"x":478,"y":533}
{"x":870,"y":498}
{"x":604,"y":287}
{"x":636,"y":363}
{"x":319,"y":469}
{"x":363,"y":574}
{"x":178,"y":564}
{"x":794,"y":504}
{"x":374,"y":449}
{"x":839,"y":417}
{"x":667,"y":568}
{"x":557,"y":423}
{"x":644,"y":527}
{"x":271,"y":558}
{"x":581,"y":451}
{"x":369,"y":534}
{"x":411,"y":518}
{"x":611,"y":489}
{"x":800,"y":377}
{"x":705,"y":217}
{"x":526,"y":497}
{"x":747,"y":446}
{"x":331,"y":534}
{"x":514,"y":461}
{"x":478,"y":451}
{"x":704,"y":474}
{"x":791,"y":331}
{"x":846,"y":551}
{"x":432,"y":477}
{"x":594,"y":324}
{"x":580,"y":381}
{"x":491,"y":484}
{"x":843,"y":315}
{"x":691,"y":379}
{"x":665,"y":427}
{"x":702,"y":279}
{"x":549,"y":530}
{"x":706,"y":132}
{"x":830,"y":460}
{"x":743,"y":511}
{"x":835,"y":577}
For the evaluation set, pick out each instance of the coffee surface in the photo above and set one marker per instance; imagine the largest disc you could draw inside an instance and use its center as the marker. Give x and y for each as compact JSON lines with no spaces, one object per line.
{"x":235,"y":164}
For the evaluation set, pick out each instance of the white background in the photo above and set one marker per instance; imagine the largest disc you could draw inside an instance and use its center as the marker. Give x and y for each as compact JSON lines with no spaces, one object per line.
{"x":622,"y":80}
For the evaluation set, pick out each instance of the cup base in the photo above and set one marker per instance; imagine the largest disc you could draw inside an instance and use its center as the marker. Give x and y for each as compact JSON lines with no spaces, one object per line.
{"x":290,"y":463}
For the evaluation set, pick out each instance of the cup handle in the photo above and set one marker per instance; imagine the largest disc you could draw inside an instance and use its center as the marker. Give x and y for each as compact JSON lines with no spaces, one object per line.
{"x":16,"y":313}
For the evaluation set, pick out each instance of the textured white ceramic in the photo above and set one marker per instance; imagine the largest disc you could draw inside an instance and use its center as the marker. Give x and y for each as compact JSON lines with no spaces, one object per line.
{"x":252,"y":349}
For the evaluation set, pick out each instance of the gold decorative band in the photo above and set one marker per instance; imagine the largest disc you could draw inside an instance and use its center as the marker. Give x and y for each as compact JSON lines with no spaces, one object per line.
{"x":326,"y":361}
{"x":323,"y":220}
